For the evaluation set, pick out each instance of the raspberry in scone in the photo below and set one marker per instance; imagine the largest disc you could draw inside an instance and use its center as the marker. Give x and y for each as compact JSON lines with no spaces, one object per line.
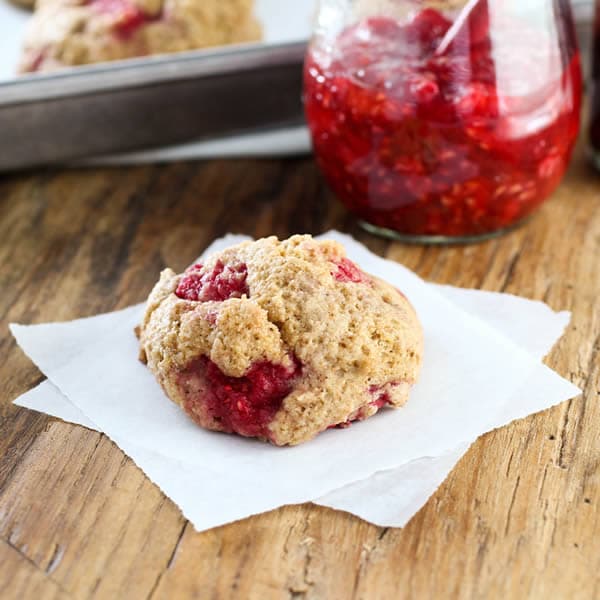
{"x":280,"y":340}
{"x":65,"y":33}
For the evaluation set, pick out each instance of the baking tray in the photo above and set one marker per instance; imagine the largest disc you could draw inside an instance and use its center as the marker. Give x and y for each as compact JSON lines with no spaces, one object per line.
{"x":152,"y":102}
{"x":147,"y":103}
{"x":155,"y":101}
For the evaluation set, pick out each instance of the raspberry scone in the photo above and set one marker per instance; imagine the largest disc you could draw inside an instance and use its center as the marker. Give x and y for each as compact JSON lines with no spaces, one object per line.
{"x":76,"y":32}
{"x":280,"y":340}
{"x":28,"y":4}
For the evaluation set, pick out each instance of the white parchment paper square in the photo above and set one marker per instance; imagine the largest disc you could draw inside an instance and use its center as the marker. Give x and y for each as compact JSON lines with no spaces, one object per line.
{"x":471,"y":374}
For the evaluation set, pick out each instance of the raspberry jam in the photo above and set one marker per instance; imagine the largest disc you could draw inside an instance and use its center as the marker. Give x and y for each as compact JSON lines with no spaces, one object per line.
{"x":127,"y":16}
{"x":445,"y":125}
{"x":243,"y":405}
{"x":217,"y":284}
{"x":595,"y":111}
{"x":348,"y":272}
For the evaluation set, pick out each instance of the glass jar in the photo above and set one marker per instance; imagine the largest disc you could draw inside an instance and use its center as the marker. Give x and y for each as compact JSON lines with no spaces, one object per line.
{"x":595,"y":111}
{"x":447,"y":120}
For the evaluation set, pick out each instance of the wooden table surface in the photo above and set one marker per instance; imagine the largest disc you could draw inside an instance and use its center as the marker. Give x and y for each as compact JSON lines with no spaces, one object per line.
{"x":519,"y":517}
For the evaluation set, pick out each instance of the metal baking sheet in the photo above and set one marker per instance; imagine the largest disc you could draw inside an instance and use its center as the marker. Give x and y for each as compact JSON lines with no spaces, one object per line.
{"x":152,"y":101}
{"x":157,"y":101}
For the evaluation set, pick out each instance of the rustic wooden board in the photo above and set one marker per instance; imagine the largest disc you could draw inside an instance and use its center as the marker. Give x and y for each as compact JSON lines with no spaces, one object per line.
{"x":519,"y":517}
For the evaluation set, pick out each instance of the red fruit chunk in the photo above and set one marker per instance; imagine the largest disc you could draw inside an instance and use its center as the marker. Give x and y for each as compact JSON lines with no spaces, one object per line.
{"x":474,"y":30}
{"x":380,"y":396}
{"x":478,"y":100}
{"x":381,"y":399}
{"x":36,"y":60}
{"x":427,"y":30}
{"x":347,"y":272}
{"x":551,"y":166}
{"x":243,"y":405}
{"x":425,"y":90}
{"x":221,"y":283}
{"x":127,"y":16}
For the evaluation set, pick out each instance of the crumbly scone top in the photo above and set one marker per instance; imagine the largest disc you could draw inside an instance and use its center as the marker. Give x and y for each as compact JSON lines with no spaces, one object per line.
{"x":302,"y":300}
{"x":77,"y":32}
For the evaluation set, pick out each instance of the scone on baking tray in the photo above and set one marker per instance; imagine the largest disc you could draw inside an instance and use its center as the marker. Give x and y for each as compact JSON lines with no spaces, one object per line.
{"x":280,"y":340}
{"x":28,"y":4}
{"x":77,"y":32}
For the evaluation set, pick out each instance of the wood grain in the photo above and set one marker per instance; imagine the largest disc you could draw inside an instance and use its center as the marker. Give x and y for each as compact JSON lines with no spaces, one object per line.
{"x":519,"y":517}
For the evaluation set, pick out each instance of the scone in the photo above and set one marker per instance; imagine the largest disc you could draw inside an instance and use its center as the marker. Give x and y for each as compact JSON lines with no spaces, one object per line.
{"x":28,"y":4}
{"x":280,"y":340}
{"x":78,"y":32}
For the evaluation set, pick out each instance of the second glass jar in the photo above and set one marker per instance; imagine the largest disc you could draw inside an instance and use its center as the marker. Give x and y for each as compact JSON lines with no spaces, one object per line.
{"x":446,"y":120}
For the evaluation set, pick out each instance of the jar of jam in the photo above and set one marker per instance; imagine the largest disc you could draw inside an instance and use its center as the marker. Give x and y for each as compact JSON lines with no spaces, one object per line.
{"x":447,"y":120}
{"x":595,"y":111}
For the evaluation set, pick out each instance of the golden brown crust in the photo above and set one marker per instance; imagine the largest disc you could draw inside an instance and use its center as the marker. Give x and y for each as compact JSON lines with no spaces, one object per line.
{"x":349,"y":337}
{"x":75,"y":32}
